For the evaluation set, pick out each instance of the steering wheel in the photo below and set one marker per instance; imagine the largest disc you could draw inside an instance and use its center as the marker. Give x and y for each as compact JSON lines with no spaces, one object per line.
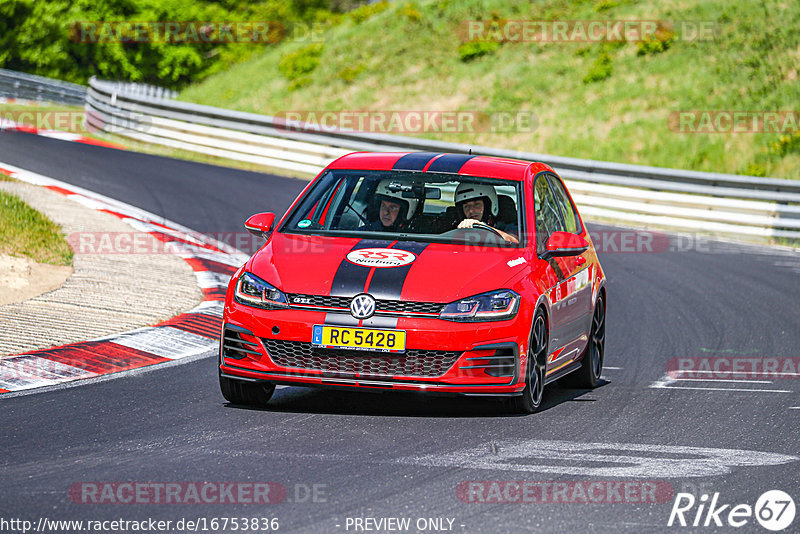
{"x":483,"y":226}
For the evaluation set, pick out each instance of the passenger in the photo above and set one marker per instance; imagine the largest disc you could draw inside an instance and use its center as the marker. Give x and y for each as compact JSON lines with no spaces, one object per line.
{"x":394,"y":211}
{"x":477,"y":203}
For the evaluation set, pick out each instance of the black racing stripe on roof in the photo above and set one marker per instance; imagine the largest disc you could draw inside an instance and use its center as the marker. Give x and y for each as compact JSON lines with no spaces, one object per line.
{"x":415,"y":161}
{"x":387,"y":282}
{"x":450,"y":163}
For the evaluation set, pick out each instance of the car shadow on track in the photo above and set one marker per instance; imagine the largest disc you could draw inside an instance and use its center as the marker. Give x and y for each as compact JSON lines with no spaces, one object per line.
{"x":406,"y":404}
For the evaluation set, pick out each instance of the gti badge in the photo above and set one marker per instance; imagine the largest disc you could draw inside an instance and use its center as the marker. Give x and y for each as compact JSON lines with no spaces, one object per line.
{"x":362,"y":306}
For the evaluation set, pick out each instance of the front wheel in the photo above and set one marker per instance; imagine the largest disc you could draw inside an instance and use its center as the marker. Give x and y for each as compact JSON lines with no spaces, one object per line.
{"x":588,"y":375}
{"x":245,"y":393}
{"x":531,"y":397}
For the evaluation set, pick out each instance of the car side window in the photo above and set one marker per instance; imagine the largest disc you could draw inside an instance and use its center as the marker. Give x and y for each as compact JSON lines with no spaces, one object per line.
{"x":546,"y":211}
{"x":570,"y":216}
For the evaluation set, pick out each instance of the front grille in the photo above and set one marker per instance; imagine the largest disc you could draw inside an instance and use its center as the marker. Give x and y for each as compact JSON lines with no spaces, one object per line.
{"x":381,"y":305}
{"x":302,"y":355}
{"x":235,"y":346}
{"x":319,"y":300}
{"x":399,"y":306}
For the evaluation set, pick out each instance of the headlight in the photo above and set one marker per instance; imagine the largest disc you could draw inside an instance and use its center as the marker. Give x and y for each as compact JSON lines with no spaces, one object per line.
{"x":492,"y":306}
{"x":254,"y":291}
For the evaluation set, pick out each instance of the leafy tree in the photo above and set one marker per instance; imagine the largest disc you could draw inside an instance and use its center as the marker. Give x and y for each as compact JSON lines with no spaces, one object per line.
{"x":50,"y":38}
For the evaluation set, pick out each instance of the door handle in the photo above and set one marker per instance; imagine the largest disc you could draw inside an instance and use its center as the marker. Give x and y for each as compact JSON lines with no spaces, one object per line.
{"x":580,"y":260}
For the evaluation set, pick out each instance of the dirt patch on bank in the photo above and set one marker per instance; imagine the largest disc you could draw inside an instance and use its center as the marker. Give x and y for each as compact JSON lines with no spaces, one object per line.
{"x":22,"y":278}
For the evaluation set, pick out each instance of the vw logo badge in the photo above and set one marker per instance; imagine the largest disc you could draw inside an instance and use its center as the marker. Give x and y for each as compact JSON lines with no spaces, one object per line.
{"x":362,"y":306}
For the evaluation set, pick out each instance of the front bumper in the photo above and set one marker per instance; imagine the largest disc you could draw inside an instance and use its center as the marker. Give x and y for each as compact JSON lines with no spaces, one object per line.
{"x":441,"y":356}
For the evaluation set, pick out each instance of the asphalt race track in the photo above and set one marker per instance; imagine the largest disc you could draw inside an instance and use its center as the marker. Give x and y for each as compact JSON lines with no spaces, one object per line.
{"x":343,"y":455}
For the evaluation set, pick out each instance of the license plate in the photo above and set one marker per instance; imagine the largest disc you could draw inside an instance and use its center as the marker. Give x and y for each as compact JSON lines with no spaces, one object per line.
{"x":342,"y":337}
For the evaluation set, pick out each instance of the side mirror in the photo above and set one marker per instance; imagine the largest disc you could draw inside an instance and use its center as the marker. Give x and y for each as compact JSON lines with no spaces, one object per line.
{"x":565,"y":244}
{"x":260,"y":224}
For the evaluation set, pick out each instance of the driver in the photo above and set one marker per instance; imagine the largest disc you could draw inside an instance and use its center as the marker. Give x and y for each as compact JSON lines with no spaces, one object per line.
{"x":477,"y":203}
{"x":394,"y":211}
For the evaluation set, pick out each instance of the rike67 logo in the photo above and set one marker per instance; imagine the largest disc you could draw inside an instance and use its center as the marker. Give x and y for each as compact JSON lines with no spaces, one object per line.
{"x":774,"y":510}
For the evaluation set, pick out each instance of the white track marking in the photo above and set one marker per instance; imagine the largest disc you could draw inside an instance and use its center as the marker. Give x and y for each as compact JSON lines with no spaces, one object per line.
{"x":581,"y":459}
{"x":669,"y":382}
{"x":729,"y":373}
{"x":165,"y":341}
{"x":612,"y":368}
{"x":728,"y":389}
{"x":724,"y":380}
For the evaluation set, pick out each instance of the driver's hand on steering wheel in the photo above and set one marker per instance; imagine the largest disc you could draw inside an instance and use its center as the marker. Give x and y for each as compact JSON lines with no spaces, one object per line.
{"x":467,"y":223}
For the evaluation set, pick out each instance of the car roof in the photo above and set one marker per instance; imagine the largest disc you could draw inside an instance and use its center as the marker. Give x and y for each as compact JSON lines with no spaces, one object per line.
{"x":460,"y":164}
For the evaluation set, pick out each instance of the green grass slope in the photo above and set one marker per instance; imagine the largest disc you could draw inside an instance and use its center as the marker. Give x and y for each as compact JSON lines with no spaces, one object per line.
{"x":606,"y":101}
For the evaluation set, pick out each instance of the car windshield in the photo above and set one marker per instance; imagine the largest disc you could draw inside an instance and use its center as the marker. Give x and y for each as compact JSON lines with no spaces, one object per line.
{"x":411,"y":207}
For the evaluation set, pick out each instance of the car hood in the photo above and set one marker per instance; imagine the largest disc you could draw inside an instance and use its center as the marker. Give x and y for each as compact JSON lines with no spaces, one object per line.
{"x":315,"y":265}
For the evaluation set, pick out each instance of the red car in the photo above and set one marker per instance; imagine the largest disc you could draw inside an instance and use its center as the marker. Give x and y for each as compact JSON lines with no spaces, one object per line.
{"x":445,"y":273}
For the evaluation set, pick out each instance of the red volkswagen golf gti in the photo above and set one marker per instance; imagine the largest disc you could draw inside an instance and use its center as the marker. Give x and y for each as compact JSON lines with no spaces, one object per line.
{"x":441,"y":273}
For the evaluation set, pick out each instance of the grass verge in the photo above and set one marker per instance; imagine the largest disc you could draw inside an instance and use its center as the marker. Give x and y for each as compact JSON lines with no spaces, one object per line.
{"x":610,"y":101}
{"x":26,"y":232}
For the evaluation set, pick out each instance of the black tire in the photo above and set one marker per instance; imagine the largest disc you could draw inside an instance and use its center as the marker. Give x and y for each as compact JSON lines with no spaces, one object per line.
{"x":246,"y":393}
{"x":588,"y":375}
{"x":531,"y":397}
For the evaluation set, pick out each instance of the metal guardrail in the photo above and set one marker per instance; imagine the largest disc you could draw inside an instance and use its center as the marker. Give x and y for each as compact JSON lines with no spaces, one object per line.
{"x":672,"y":198}
{"x":653,"y":196}
{"x":142,"y":89}
{"x":30,"y":87}
{"x":23,"y":86}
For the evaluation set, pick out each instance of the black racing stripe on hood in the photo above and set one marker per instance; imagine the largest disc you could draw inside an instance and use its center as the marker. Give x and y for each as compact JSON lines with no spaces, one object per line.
{"x":340,"y":319}
{"x":350,"y":278}
{"x":450,"y":163}
{"x":380,"y":322}
{"x":387,"y":282}
{"x":415,"y":161}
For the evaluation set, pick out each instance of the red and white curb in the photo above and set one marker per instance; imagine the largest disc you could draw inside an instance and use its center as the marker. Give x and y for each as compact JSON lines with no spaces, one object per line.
{"x":189,"y":334}
{"x":11,"y":126}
